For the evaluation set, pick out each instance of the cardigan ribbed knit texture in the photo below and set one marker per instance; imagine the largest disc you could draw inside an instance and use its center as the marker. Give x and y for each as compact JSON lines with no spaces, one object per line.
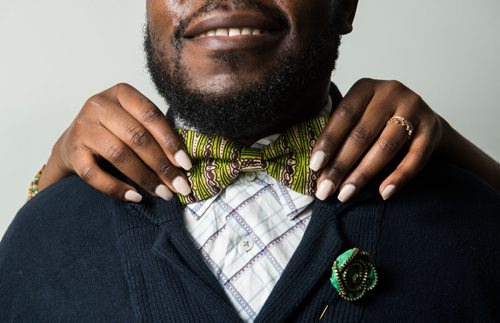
{"x":73,"y":254}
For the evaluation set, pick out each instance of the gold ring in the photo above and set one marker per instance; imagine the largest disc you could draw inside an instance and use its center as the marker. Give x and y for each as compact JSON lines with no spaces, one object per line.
{"x":402,"y":122}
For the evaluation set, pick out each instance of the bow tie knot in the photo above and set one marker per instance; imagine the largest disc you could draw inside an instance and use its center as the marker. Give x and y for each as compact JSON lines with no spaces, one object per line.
{"x":250,"y":160}
{"x":217,"y":162}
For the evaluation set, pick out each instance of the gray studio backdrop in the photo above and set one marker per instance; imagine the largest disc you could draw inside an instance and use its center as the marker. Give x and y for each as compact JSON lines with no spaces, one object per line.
{"x":56,"y":53}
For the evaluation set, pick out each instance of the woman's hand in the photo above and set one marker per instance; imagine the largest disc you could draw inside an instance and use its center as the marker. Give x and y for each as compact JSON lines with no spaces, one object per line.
{"x":130,"y":132}
{"x":359,"y":142}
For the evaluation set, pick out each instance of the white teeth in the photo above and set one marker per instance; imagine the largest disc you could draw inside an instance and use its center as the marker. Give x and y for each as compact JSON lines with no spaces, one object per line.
{"x":246,"y":31}
{"x":232,"y":32}
{"x":222,"y":32}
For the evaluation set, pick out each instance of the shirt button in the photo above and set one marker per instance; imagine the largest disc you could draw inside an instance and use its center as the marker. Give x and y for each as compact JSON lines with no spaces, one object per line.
{"x":246,"y":244}
{"x":249,"y":176}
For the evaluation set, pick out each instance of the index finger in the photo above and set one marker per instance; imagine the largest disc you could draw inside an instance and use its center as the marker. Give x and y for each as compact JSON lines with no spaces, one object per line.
{"x":153,"y":119}
{"x":343,"y":119}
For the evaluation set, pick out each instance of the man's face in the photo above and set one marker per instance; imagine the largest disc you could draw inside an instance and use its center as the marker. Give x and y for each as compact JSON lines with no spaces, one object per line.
{"x":224,"y":65}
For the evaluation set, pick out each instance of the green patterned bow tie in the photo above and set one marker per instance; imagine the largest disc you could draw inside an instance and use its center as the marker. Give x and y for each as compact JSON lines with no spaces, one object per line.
{"x":217,"y":162}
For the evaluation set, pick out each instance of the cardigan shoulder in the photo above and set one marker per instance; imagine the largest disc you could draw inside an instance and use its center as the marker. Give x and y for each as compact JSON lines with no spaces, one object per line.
{"x":58,"y":258}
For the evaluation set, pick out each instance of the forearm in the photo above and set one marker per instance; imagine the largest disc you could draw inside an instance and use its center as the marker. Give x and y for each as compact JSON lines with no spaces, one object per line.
{"x":463,"y":153}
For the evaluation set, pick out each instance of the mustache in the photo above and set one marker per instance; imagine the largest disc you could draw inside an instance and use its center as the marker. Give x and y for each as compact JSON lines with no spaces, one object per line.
{"x":228,"y":5}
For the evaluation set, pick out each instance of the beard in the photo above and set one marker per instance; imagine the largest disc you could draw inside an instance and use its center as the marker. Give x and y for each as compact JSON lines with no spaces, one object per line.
{"x":233,"y":113}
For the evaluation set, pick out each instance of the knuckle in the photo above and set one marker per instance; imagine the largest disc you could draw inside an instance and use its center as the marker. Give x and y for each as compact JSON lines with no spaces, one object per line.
{"x":329,"y":141}
{"x":117,"y":154}
{"x":414,"y":100}
{"x":138,"y":136}
{"x":173,"y":143}
{"x":75,"y":146}
{"x":152,"y":114}
{"x":164,"y":167}
{"x":95,"y":102}
{"x":122,"y":88}
{"x":389,"y":145}
{"x":73,"y":140}
{"x":346,"y":111}
{"x":79,"y":123}
{"x":395,"y":86}
{"x":360,"y":135}
{"x":418,"y":99}
{"x":364,"y":81}
{"x":87,"y":173}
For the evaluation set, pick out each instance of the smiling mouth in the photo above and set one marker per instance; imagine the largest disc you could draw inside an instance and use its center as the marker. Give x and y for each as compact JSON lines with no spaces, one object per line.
{"x":234,"y":31}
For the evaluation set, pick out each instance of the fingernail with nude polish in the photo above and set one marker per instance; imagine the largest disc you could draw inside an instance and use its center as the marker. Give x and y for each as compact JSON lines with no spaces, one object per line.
{"x":181,"y":185}
{"x":133,"y":196}
{"x":317,"y":160}
{"x":347,"y":193}
{"x":183,"y":160}
{"x":325,"y":188}
{"x":163,"y":192}
{"x":388,"y":192}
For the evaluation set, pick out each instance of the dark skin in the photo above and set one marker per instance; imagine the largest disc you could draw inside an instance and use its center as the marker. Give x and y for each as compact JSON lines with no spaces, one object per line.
{"x":203,"y":58}
{"x":128,"y":130}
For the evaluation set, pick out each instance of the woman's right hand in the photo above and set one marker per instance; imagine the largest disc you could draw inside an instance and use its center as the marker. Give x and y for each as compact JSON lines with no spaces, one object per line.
{"x":124,"y":127}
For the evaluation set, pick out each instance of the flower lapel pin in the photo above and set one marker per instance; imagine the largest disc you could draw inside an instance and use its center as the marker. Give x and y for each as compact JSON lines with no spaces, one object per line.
{"x":353,"y":274}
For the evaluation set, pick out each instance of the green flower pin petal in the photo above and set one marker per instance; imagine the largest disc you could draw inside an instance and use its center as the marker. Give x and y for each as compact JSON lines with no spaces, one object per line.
{"x":353,"y":274}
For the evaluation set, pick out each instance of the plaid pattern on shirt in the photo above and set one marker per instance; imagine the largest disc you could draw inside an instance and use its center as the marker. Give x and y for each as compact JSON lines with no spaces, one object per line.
{"x":247,"y":235}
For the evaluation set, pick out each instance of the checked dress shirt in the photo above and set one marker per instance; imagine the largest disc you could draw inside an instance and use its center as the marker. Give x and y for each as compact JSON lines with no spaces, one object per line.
{"x":248,"y":233}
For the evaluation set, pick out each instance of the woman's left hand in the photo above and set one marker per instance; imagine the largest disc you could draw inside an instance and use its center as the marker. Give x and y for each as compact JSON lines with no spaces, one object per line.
{"x":359,"y":140}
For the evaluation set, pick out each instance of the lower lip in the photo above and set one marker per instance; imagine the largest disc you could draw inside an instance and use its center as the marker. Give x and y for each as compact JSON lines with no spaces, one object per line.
{"x":229,"y":43}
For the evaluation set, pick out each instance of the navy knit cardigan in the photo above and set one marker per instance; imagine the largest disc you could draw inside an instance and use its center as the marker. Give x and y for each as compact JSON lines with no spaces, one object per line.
{"x":73,"y":255}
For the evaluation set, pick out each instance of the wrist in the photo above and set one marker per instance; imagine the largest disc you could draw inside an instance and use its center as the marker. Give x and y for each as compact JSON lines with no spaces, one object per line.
{"x":54,"y":170}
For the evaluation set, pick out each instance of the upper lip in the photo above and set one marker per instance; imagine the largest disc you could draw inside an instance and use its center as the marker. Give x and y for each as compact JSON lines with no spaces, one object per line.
{"x":218,"y":20}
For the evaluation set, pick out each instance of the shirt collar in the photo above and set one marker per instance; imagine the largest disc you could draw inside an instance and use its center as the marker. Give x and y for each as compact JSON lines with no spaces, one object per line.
{"x":293,"y":203}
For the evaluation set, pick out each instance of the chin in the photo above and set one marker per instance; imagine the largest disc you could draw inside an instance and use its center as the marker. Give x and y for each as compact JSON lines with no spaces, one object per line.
{"x":227,"y":85}
{"x":230,"y":73}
